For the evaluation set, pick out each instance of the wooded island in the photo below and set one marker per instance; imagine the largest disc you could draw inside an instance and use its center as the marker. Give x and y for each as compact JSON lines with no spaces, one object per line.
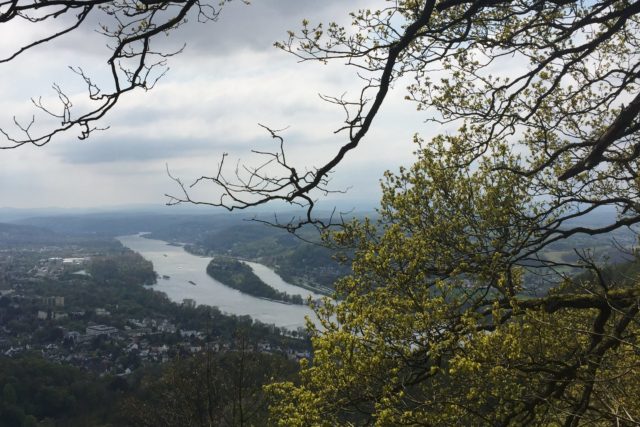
{"x":238,"y":275}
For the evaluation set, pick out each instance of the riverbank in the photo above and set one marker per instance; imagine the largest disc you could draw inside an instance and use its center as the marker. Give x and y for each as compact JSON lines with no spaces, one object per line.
{"x":315,"y":292}
{"x":181,"y":266}
{"x":239,"y":276}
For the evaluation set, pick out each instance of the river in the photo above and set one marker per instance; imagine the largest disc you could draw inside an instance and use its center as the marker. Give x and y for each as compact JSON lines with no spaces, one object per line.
{"x":183,"y":267}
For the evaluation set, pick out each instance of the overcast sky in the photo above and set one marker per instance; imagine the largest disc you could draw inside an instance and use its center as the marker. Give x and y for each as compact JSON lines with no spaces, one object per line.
{"x":229,"y":79}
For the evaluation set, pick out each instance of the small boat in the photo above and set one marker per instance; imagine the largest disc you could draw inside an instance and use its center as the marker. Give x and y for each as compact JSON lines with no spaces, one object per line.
{"x":165,"y":255}
{"x":164,"y":276}
{"x":192,"y":282}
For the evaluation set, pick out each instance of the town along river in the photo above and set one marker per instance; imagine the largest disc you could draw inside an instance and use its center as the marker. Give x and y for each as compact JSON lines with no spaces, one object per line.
{"x":185,"y":276}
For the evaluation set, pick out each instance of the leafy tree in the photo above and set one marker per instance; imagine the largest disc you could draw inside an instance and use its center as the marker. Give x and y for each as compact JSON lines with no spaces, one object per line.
{"x":125,"y":267}
{"x":435,"y":327}
{"x":35,"y":389}
{"x":30,"y":421}
{"x":9,"y":394}
{"x":210,"y":389}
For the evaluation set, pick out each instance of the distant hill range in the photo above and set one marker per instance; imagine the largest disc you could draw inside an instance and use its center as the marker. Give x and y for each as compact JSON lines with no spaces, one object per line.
{"x":12,"y":234}
{"x":237,"y":236}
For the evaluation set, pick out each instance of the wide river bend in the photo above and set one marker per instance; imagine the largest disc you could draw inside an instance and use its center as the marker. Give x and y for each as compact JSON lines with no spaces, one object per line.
{"x":182,"y":268}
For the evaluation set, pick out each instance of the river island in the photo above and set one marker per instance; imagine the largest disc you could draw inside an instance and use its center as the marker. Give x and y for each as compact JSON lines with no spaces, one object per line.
{"x":238,"y":275}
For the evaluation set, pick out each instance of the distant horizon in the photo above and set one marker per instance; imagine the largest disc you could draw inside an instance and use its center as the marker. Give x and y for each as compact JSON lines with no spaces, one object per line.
{"x":12,"y":213}
{"x":323,"y":207}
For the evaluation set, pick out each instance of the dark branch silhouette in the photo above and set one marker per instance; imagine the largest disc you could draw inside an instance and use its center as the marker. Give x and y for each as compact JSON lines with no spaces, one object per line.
{"x":130,"y":28}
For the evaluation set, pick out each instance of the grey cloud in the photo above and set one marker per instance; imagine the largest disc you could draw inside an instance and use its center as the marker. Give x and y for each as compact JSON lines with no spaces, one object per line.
{"x":108,"y":149}
{"x":109,"y":156}
{"x":251,"y":27}
{"x":101,"y":149}
{"x":256,"y":26}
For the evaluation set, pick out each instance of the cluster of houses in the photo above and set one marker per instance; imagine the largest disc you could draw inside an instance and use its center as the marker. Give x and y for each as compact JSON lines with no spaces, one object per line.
{"x":53,"y":267}
{"x":55,"y":304}
{"x":138,"y":343}
{"x":92,"y":338}
{"x":124,"y":351}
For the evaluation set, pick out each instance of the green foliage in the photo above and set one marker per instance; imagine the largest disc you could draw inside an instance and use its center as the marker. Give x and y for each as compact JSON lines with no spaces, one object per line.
{"x":436,"y":326}
{"x":433,"y":325}
{"x":34,"y":389}
{"x":128,"y":266}
{"x":221,"y":389}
